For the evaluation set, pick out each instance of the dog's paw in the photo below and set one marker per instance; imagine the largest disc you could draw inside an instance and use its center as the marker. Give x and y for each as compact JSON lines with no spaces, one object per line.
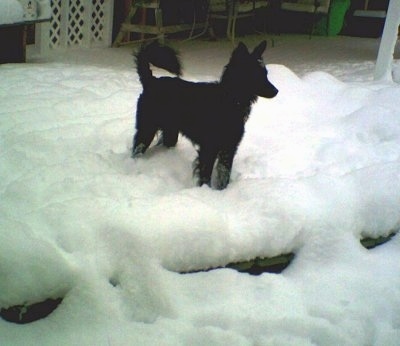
{"x":138,"y":151}
{"x":221,"y":185}
{"x":200,"y":181}
{"x":223,"y":176}
{"x":136,"y":156}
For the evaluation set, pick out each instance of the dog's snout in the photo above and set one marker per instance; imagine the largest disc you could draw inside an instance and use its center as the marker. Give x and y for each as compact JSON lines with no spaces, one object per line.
{"x":269,"y":91}
{"x":274,"y":92}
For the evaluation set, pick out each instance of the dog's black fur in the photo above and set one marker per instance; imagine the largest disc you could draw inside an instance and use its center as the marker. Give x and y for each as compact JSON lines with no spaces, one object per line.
{"x":211,"y":115}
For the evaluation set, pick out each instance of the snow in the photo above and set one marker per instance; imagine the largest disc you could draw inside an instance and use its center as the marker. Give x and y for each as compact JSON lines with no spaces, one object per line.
{"x":14,"y":11}
{"x":317,"y":170}
{"x":11,"y":11}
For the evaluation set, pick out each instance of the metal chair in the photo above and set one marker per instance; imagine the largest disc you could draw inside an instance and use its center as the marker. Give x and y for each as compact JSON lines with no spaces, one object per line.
{"x":158,"y":29}
{"x":313,"y":8}
{"x":231,"y":11}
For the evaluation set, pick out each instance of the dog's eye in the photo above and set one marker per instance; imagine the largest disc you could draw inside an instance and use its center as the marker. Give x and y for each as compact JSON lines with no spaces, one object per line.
{"x":261,"y":62}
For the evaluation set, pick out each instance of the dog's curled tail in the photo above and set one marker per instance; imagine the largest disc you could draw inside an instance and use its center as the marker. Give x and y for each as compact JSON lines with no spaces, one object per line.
{"x":158,"y":55}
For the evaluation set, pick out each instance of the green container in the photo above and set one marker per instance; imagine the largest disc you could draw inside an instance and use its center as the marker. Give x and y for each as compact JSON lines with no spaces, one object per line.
{"x":336,"y":15}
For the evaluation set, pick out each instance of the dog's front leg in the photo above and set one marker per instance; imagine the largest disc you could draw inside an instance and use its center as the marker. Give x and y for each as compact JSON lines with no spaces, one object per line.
{"x":138,"y":150}
{"x":224,"y":168}
{"x":142,"y":140}
{"x":203,"y":166}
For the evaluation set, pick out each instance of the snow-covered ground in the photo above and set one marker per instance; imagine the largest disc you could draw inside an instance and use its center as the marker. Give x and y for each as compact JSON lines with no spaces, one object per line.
{"x":11,"y":11}
{"x":15,"y":11}
{"x":317,"y":170}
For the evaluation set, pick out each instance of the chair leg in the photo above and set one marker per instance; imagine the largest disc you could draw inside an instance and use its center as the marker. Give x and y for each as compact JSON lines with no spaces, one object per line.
{"x":212,"y":34}
{"x":205,"y":29}
{"x":159,"y":24}
{"x":233,"y":23}
{"x":327,"y":24}
{"x":313,"y":22}
{"x":230,"y":25}
{"x":122,"y":32}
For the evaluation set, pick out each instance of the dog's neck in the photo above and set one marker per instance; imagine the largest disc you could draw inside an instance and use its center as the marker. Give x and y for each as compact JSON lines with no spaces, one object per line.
{"x":241,"y":98}
{"x":234,"y":87}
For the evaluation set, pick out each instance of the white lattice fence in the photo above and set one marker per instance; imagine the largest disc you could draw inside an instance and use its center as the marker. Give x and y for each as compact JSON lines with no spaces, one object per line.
{"x":85,"y":23}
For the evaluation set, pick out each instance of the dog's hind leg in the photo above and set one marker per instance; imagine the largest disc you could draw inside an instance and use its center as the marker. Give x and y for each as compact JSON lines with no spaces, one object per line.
{"x":169,"y":137}
{"x":224,"y":168}
{"x":203,"y":166}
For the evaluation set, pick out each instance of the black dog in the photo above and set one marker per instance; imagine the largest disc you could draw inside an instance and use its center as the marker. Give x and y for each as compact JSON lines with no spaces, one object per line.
{"x":211,"y":115}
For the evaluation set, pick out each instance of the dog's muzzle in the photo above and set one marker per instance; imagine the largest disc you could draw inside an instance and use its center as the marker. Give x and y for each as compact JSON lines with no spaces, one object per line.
{"x":269,"y":91}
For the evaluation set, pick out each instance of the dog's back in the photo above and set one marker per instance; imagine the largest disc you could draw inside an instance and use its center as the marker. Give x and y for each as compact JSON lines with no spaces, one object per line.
{"x":195,"y":108}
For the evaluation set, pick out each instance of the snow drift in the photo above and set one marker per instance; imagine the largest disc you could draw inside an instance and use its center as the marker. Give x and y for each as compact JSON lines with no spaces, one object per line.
{"x":317,"y":170}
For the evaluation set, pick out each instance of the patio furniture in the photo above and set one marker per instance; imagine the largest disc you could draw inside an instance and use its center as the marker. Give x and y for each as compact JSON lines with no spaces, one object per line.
{"x":231,"y":11}
{"x":13,"y":40}
{"x":367,"y":19}
{"x":159,"y":28}
{"x":310,"y":10}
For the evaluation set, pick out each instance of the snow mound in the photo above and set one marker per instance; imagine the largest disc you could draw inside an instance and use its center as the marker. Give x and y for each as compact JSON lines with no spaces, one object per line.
{"x":11,"y":11}
{"x":318,"y":169}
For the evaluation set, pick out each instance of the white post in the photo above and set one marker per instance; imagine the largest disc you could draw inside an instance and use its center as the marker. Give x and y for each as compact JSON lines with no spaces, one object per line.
{"x":383,"y":67}
{"x":87,"y":26}
{"x":108,"y":26}
{"x":64,"y":24}
{"x":42,"y":30}
{"x":42,"y":37}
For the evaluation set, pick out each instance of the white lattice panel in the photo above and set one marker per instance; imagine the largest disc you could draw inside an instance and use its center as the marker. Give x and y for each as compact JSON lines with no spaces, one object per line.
{"x":79,"y":23}
{"x":76,"y":23}
{"x":99,"y":20}
{"x":55,"y":24}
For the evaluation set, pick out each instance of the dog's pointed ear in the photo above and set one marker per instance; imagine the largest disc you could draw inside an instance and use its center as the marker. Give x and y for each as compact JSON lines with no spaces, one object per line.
{"x":241,"y":49}
{"x":259,"y":50}
{"x":242,"y":46}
